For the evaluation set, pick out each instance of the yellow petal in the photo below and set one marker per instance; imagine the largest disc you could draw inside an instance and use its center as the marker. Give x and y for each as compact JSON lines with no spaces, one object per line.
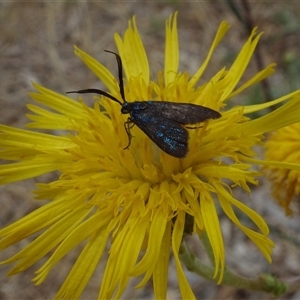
{"x":84,"y":267}
{"x":212,"y":227}
{"x":185,"y":289}
{"x":287,"y":114}
{"x":172,"y":50}
{"x":223,"y":28}
{"x":99,"y":70}
{"x":160,"y":272}
{"x":27,"y":169}
{"x":47,"y":241}
{"x":237,"y":69}
{"x":45,"y":119}
{"x":56,"y":101}
{"x":128,"y":243}
{"x":149,"y":261}
{"x":268,"y":71}
{"x":133,"y":54}
{"x":82,"y":231}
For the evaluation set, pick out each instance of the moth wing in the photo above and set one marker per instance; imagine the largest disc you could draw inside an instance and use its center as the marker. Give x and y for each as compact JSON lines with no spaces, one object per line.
{"x":167,"y":134}
{"x":184,"y":113}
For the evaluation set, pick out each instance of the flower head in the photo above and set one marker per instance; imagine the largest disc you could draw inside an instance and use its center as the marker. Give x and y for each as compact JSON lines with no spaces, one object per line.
{"x":283,"y":146}
{"x":137,"y":200}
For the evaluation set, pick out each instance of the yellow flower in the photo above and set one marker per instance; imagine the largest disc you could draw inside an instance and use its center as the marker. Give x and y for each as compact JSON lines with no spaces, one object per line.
{"x":283,"y":146}
{"x":137,"y":200}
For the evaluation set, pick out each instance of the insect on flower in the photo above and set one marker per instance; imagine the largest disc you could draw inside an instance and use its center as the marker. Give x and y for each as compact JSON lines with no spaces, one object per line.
{"x":161,"y":121}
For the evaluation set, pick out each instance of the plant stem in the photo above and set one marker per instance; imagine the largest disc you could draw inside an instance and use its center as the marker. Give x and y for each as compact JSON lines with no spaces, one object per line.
{"x":264,"y":283}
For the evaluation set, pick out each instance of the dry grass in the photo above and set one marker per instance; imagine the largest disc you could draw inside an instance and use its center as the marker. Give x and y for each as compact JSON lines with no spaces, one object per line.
{"x":36,"y":44}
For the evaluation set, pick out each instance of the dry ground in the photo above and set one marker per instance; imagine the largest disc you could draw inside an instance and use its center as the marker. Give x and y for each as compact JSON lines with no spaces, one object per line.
{"x":36,"y":44}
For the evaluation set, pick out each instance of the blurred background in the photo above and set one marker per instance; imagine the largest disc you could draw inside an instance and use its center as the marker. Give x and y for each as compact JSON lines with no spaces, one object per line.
{"x":36,"y":44}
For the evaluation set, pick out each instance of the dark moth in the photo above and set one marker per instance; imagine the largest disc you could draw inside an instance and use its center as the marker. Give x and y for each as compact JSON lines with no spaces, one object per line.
{"x":162,"y":121}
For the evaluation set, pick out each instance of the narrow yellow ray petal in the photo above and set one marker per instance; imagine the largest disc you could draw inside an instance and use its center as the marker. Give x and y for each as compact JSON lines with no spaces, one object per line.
{"x":148,"y":262}
{"x":185,"y":289}
{"x":34,"y":222}
{"x":47,"y":240}
{"x":171,"y":50}
{"x":223,"y":28}
{"x":116,"y":274}
{"x":104,"y":75}
{"x":212,"y":227}
{"x":268,"y":71}
{"x":287,"y":114}
{"x":27,"y":169}
{"x":56,"y":101}
{"x":160,"y":272}
{"x":45,"y":119}
{"x":21,"y":138}
{"x":258,"y":107}
{"x":84,"y":267}
{"x":78,"y":233}
{"x":237,"y":69}
{"x":133,"y":54}
{"x":156,"y":234}
{"x":274,"y":163}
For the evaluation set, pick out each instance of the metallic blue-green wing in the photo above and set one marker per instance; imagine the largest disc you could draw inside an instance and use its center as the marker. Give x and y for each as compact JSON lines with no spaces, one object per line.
{"x":167,"y":134}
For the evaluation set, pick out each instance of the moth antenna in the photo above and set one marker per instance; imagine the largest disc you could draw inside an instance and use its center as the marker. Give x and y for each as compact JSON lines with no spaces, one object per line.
{"x":120,"y":74}
{"x":96,"y":91}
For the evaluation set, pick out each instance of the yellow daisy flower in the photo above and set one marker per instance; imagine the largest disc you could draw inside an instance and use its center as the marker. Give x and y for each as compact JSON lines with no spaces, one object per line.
{"x":283,"y":146}
{"x":137,"y":200}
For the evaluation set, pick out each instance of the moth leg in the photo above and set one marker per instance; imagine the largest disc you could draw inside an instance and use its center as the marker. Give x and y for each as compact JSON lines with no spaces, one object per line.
{"x":193,"y":127}
{"x":128,"y":125}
